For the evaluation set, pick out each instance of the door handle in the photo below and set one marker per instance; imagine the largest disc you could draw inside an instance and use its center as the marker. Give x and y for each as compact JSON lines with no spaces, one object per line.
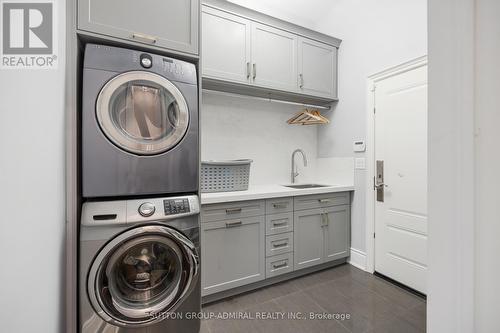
{"x":233,"y":210}
{"x":248,"y":70}
{"x":144,"y":38}
{"x":233,"y":224}
{"x":284,"y":264}
{"x":324,"y":200}
{"x":280,"y":205}
{"x":282,"y":244}
{"x":254,"y":71}
{"x":280,"y":222}
{"x":301,"y":81}
{"x":378,"y":182}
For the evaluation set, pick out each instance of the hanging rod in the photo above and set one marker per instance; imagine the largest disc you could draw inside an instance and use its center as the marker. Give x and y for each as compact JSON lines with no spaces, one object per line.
{"x":223,"y":93}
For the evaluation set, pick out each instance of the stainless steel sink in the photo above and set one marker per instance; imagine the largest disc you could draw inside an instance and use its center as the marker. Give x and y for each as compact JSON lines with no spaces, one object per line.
{"x":304,"y":186}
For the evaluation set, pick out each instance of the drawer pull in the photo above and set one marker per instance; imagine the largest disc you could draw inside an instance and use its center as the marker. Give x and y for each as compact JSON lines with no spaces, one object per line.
{"x":279,"y":245}
{"x":233,"y":224}
{"x":144,"y":38}
{"x":280,"y":222}
{"x":233,"y":210}
{"x":283,"y":264}
{"x":280,"y":205}
{"x":324,"y":200}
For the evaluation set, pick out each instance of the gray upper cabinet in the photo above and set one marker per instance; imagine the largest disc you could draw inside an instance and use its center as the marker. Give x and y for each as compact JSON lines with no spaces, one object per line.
{"x":172,"y":24}
{"x":247,"y":52}
{"x":317,"y":68}
{"x":226,"y":46}
{"x":274,"y":57}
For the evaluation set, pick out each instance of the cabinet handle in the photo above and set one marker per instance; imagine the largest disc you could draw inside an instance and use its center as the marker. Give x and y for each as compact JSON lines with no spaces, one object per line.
{"x":301,"y":81}
{"x":280,"y":222}
{"x":248,"y":70}
{"x":324,"y":200}
{"x":254,"y":71}
{"x":233,"y":210}
{"x":233,"y":224}
{"x":144,"y":38}
{"x":280,"y":205}
{"x":282,"y":244}
{"x":284,"y":264}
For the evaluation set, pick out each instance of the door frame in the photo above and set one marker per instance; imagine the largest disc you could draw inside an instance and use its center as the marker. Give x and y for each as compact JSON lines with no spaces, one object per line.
{"x":370,"y":150}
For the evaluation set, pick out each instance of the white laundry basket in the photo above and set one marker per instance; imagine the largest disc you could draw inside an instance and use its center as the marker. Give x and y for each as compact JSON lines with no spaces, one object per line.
{"x":225,"y":176}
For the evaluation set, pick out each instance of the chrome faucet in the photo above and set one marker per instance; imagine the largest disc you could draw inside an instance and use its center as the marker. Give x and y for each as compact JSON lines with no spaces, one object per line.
{"x":295,"y":173}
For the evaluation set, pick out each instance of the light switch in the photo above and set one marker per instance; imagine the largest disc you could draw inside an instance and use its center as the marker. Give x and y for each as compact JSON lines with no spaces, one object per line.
{"x":359,"y":146}
{"x":360,"y":163}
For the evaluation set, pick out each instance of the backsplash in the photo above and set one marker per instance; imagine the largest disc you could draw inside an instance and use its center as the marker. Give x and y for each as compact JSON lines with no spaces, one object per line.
{"x":236,"y":128}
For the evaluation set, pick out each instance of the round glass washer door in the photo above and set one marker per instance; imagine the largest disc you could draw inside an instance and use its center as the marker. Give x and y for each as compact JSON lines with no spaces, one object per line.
{"x":141,"y":275}
{"x":142,"y":113}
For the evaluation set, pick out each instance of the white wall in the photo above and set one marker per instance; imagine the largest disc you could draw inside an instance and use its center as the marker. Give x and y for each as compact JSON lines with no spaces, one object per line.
{"x":376,"y":34}
{"x":235,"y":128}
{"x":487,"y":167}
{"x":32,"y":198}
{"x":464,"y":80}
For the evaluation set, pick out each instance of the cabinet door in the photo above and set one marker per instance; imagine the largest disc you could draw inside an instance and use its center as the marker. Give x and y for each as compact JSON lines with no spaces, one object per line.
{"x":317,"y":68}
{"x":171,"y":24}
{"x":274,"y":58}
{"x":225,"y":46}
{"x":308,"y":238}
{"x":337,"y":232}
{"x":232,"y":253}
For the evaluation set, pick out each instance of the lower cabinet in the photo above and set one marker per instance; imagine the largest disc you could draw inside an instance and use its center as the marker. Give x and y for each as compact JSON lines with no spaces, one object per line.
{"x":232,"y":253}
{"x":321,"y":235}
{"x":249,"y":241}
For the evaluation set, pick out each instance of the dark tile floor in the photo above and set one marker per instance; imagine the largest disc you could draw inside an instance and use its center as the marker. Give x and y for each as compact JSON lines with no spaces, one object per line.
{"x":373,"y":304}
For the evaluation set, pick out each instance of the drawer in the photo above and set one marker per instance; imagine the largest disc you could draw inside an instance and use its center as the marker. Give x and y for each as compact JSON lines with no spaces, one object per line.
{"x":278,"y":265}
{"x":279,"y":244}
{"x":279,"y":223}
{"x":321,"y":200}
{"x":232,"y":210}
{"x":279,"y":205}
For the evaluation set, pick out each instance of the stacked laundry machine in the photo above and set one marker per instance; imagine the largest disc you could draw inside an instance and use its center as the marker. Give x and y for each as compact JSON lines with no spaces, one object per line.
{"x":139,"y":231}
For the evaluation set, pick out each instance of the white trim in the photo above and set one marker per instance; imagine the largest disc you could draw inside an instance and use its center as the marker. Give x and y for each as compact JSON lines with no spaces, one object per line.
{"x":358,"y":259}
{"x":370,"y":151}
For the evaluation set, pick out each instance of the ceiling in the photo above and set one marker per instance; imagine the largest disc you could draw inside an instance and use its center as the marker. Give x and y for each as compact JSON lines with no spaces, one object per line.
{"x":302,"y":12}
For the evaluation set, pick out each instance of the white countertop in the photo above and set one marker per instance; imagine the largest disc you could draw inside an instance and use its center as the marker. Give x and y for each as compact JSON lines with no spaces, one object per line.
{"x":269,"y":191}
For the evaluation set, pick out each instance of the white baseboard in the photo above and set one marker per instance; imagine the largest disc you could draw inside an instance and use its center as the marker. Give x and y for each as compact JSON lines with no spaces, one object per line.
{"x":358,"y":259}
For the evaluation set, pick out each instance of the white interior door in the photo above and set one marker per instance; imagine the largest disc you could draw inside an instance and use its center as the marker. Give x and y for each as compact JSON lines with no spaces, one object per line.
{"x":401,"y":202}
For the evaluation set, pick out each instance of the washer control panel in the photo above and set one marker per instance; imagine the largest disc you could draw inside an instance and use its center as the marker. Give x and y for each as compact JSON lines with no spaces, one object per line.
{"x":139,"y":210}
{"x":176,"y":206}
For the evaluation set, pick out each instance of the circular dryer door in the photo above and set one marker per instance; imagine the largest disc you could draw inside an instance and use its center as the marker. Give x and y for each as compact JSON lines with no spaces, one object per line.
{"x":142,"y":113}
{"x":142,"y":275}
